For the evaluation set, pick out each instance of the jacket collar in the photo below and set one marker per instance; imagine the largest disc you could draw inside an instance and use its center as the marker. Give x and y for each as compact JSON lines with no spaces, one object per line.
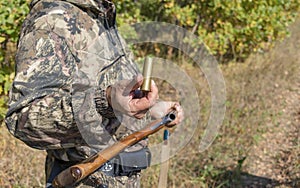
{"x":90,"y":4}
{"x":103,"y":8}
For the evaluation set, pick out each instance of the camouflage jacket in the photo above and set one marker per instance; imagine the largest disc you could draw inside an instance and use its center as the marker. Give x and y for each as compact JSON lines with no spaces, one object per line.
{"x":68,"y":53}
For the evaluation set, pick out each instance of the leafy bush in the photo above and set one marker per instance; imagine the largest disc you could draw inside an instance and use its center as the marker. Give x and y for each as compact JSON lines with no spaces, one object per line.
{"x":12,"y":14}
{"x":6,"y":77}
{"x":231,"y":29}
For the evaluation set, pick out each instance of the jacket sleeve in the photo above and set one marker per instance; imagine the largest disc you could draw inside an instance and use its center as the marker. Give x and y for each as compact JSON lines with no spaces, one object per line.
{"x":40,"y":108}
{"x":65,"y":61}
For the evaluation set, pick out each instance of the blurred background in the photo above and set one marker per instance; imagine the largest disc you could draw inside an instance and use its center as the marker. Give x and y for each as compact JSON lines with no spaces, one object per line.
{"x":257,"y":45}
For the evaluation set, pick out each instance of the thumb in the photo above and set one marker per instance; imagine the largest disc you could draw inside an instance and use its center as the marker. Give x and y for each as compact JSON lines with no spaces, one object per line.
{"x":134,"y":84}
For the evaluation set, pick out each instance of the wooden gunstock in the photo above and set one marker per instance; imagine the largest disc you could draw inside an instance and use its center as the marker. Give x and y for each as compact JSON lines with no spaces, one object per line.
{"x":77,"y":172}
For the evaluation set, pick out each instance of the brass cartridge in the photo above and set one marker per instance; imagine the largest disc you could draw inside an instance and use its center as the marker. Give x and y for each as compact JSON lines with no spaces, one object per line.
{"x":147,"y":72}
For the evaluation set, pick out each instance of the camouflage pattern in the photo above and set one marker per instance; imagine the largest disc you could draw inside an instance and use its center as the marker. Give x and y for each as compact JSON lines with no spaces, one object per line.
{"x":68,"y":53}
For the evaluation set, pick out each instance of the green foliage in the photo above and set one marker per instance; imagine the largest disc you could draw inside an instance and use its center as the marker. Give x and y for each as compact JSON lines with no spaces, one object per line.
{"x":12,"y":14}
{"x":6,"y":77}
{"x":231,"y":29}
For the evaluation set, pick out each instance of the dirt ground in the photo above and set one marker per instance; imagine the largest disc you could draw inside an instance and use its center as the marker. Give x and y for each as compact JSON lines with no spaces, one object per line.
{"x":276,"y":157}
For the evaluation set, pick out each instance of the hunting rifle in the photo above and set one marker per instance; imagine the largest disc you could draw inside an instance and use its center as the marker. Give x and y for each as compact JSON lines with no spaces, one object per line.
{"x":75,"y":173}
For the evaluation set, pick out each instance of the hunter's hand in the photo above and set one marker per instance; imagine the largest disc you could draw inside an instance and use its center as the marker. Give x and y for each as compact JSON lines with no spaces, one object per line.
{"x":122,"y":97}
{"x":163,"y":107}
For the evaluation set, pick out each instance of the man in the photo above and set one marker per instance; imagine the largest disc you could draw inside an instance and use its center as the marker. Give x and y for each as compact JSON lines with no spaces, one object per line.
{"x":74,"y":82}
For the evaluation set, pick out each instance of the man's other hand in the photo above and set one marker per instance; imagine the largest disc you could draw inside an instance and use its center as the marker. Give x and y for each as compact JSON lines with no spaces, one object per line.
{"x":161,"y":108}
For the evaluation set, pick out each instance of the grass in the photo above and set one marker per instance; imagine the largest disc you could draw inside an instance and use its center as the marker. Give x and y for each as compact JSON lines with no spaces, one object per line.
{"x":255,"y":106}
{"x":21,"y":166}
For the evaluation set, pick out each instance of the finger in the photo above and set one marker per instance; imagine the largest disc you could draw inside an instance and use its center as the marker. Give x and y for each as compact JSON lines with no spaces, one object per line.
{"x":139,"y":80}
{"x":134,"y":84}
{"x":153,"y":94}
{"x":141,"y":104}
{"x":180,"y":114}
{"x":144,"y":103}
{"x":140,"y":114}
